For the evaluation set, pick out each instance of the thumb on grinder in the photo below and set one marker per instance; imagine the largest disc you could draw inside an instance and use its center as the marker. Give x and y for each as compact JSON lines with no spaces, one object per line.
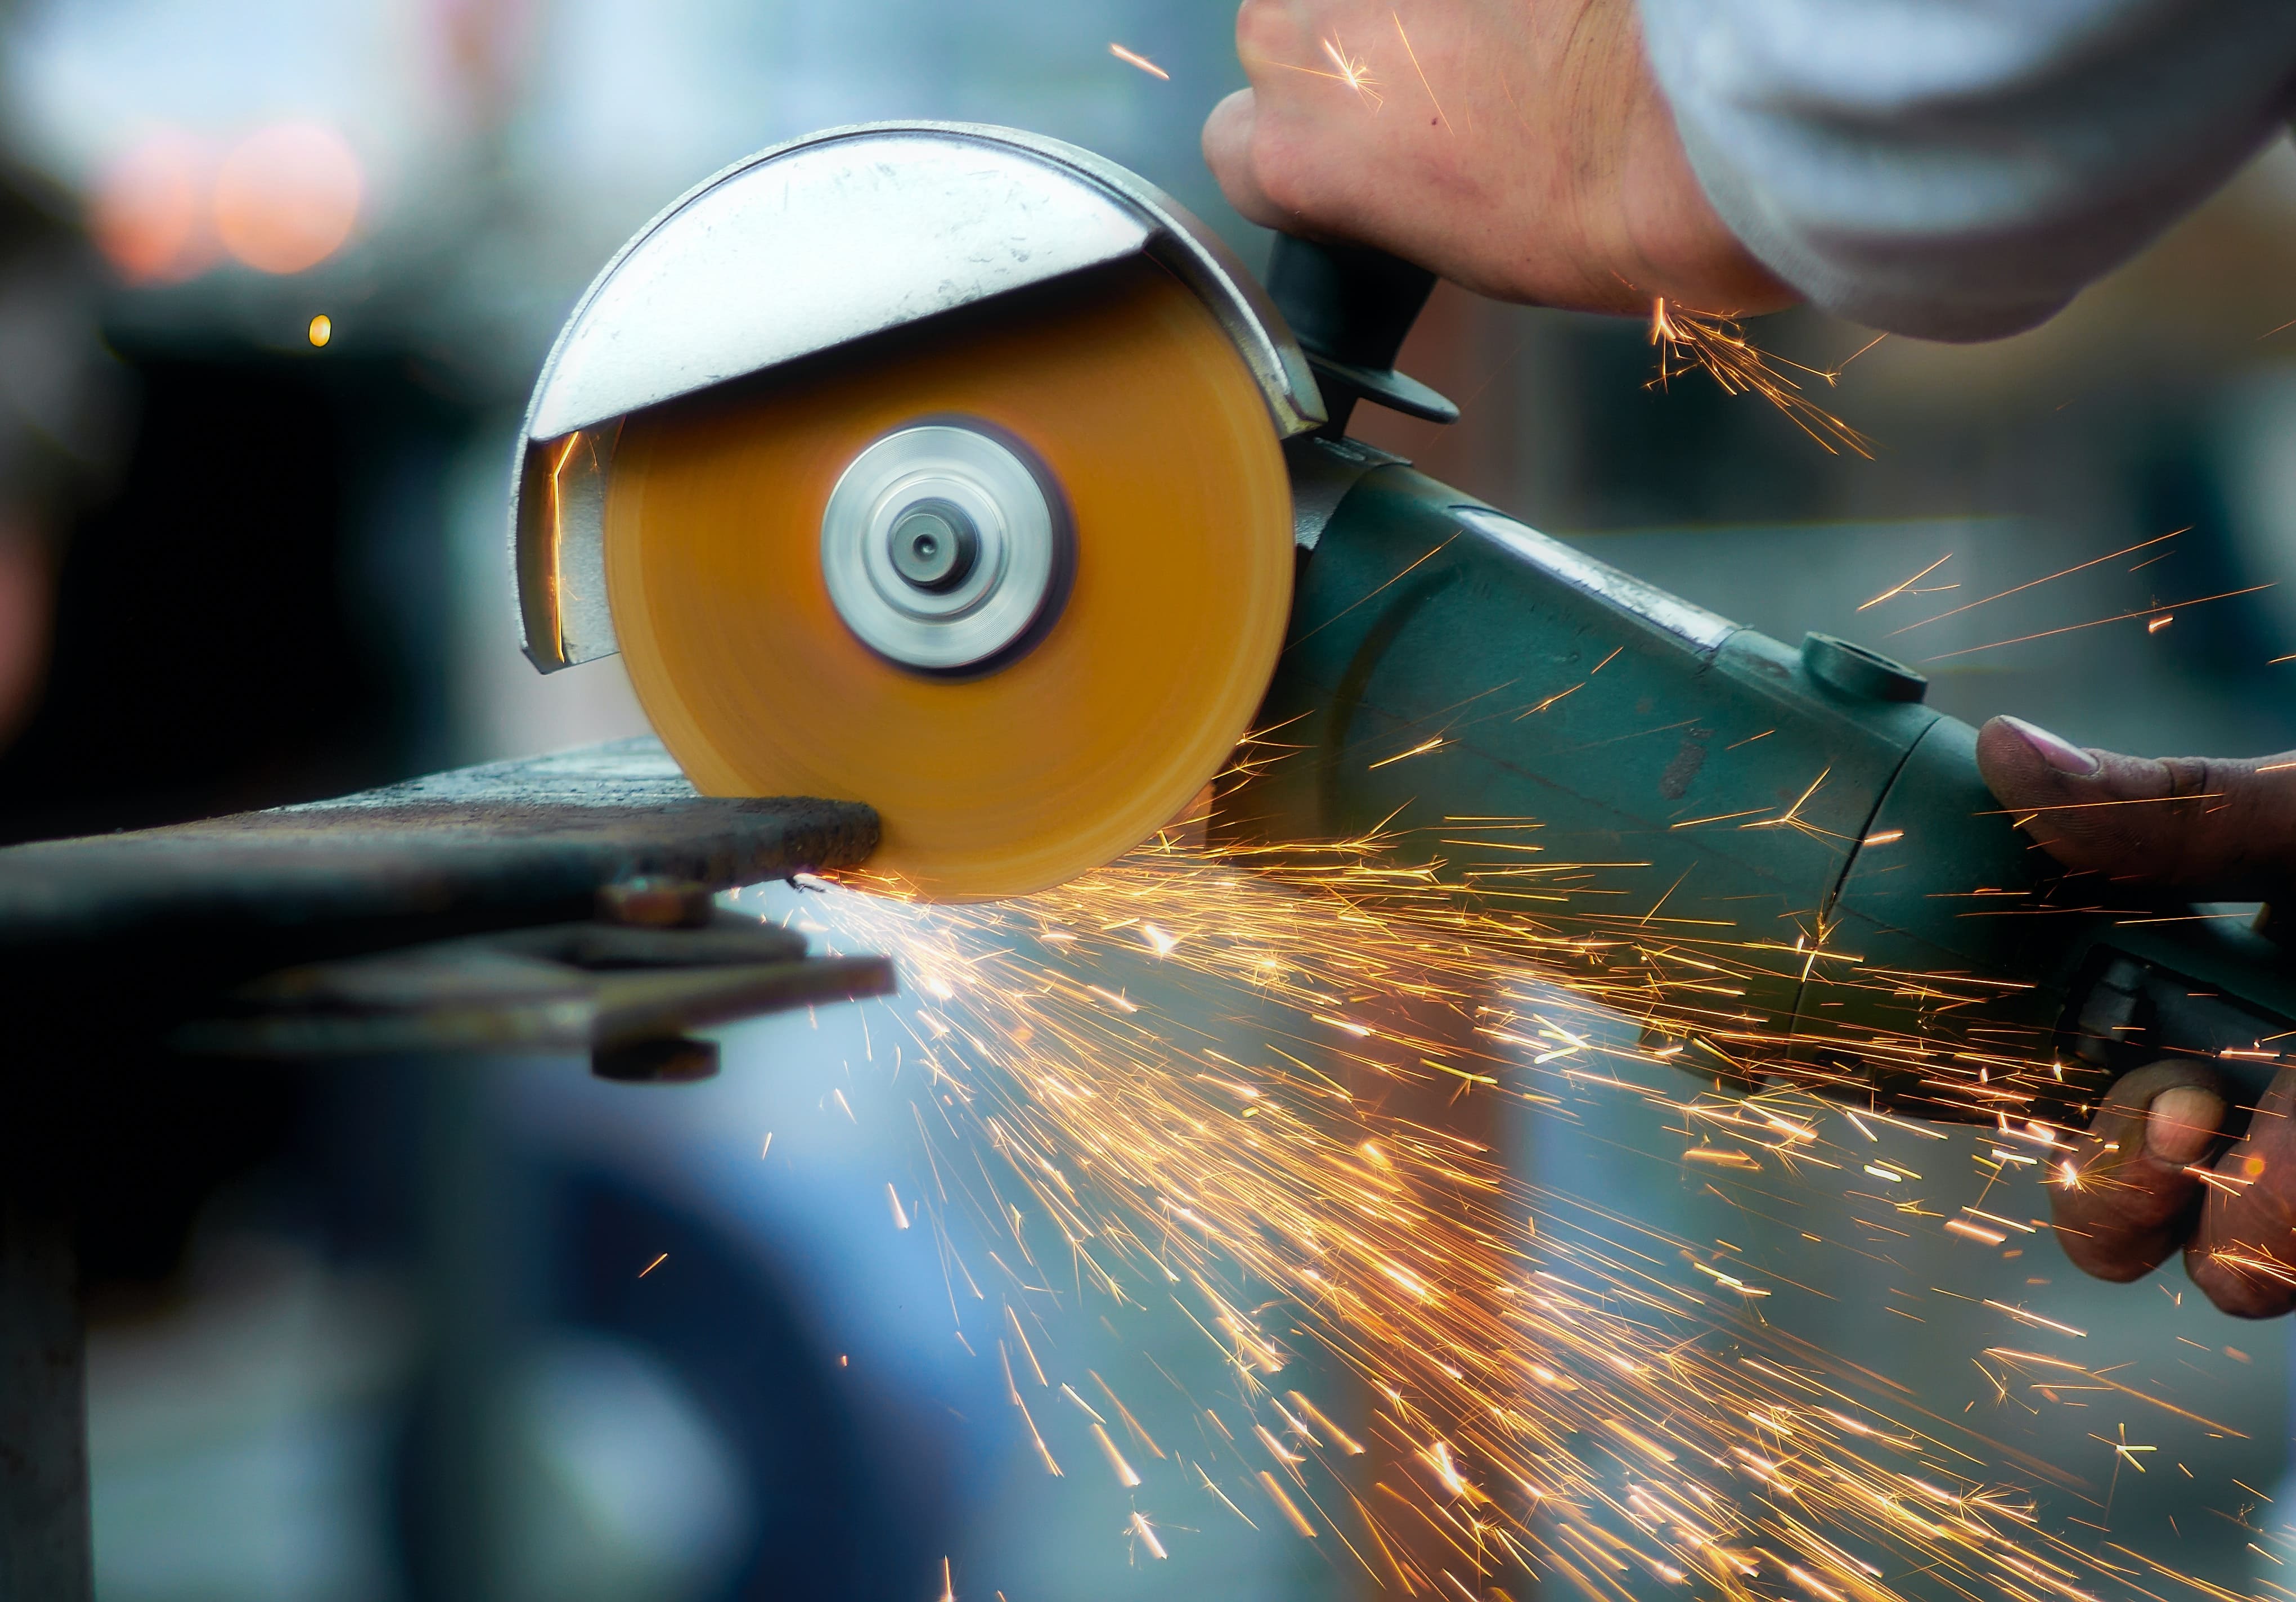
{"x":2122,"y":1202}
{"x":2207,"y":824}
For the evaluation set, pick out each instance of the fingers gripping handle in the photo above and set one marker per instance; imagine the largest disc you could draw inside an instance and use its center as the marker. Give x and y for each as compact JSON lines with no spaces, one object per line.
{"x":2206,"y":987}
{"x":1351,"y":306}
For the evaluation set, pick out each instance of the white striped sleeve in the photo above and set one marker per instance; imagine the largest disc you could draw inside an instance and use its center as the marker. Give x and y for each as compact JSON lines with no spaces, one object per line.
{"x":1959,"y":169}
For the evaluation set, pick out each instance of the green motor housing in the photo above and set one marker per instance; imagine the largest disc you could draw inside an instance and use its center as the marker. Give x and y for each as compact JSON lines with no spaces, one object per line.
{"x":1780,"y":859}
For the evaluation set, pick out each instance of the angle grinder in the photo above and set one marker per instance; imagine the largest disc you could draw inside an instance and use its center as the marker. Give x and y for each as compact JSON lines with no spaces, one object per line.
{"x":960,"y":471}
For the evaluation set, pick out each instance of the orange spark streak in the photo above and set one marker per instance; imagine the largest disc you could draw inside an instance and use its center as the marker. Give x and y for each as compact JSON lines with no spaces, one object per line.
{"x":2074,"y":628}
{"x":1124,"y":1475}
{"x":1423,"y":747}
{"x":2022,"y":1317}
{"x":1421,"y":70}
{"x":656,"y":1263}
{"x":2047,"y":578}
{"x":1132,"y":58}
{"x":1353,"y":71}
{"x":1894,"y":590}
{"x":2035,"y":811}
{"x":1291,"y":1508}
{"x":1716,"y":343}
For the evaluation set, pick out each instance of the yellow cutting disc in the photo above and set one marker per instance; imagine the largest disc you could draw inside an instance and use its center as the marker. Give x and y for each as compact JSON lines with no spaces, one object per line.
{"x":1134,"y":403}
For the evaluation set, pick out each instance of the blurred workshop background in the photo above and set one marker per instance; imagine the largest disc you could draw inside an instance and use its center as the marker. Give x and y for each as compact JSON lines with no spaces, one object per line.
{"x":275,"y":278}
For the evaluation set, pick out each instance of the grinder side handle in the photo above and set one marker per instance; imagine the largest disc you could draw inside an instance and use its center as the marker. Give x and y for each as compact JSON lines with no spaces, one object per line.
{"x":1350,"y":306}
{"x":2201,"y":986}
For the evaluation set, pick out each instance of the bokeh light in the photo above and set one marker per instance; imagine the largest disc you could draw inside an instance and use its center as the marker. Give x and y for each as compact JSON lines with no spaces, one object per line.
{"x":287,"y":197}
{"x":322,"y":329}
{"x":148,"y":211}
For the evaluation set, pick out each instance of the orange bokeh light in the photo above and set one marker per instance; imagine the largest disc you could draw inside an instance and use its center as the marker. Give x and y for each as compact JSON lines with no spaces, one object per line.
{"x":287,"y":197}
{"x":149,"y":213}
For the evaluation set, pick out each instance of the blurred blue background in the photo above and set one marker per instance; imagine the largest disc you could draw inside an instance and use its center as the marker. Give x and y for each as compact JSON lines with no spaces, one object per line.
{"x":382,"y":1333}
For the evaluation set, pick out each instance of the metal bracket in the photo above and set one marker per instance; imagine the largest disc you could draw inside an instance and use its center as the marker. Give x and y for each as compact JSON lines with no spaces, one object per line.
{"x":599,"y":989}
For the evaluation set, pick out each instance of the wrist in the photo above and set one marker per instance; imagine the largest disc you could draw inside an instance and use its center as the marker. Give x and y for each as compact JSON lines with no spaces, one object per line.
{"x":1667,"y":224}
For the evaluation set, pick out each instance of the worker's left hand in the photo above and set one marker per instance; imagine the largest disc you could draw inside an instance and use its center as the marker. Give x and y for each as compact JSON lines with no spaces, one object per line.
{"x":2213,"y":828}
{"x":1518,"y":147}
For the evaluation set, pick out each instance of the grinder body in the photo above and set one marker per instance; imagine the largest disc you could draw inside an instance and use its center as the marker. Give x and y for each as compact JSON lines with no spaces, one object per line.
{"x":1780,"y":858}
{"x":1777,"y":858}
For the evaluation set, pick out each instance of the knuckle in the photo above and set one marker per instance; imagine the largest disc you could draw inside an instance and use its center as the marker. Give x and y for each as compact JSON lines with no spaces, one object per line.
{"x":2102,"y":1251}
{"x":1264,"y":30}
{"x":2192,"y":776}
{"x":2242,"y":1295}
{"x":1281,"y":176}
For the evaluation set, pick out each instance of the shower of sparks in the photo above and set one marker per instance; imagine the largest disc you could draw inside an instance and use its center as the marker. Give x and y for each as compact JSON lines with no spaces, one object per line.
{"x":1206,"y":1123}
{"x":1352,"y":71}
{"x":1717,"y":344}
{"x":1422,"y":72}
{"x":1134,"y":58}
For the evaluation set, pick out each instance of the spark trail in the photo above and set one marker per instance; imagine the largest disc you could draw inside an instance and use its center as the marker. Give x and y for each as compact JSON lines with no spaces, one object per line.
{"x":1546,"y":1395}
{"x":1716,"y":343}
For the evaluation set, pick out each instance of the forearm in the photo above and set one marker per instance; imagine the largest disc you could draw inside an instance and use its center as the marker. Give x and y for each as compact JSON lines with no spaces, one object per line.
{"x":1959,"y":169}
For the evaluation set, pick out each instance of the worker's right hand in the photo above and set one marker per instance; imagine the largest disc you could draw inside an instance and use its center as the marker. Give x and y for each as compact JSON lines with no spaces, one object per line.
{"x":2154,"y":1172}
{"x":1518,"y":147}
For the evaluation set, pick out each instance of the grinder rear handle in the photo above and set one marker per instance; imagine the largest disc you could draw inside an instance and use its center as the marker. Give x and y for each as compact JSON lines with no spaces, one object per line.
{"x":1830,"y":846}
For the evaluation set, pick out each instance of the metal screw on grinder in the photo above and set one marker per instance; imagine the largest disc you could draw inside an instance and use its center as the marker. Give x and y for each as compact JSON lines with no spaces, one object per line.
{"x":935,"y":545}
{"x":1853,"y":670}
{"x":657,"y":902}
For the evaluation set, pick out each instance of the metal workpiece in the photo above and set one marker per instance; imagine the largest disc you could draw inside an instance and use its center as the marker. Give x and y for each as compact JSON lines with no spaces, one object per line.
{"x":593,"y":989}
{"x":1611,"y":762}
{"x":817,"y":244}
{"x":944,"y":548}
{"x":191,"y":911}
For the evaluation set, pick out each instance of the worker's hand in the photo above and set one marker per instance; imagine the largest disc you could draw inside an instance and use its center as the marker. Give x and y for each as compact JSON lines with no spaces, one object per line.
{"x":1518,"y":147}
{"x":2213,"y":828}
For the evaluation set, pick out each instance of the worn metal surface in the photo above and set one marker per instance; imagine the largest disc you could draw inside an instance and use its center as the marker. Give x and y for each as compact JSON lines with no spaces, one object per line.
{"x":815,"y":244}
